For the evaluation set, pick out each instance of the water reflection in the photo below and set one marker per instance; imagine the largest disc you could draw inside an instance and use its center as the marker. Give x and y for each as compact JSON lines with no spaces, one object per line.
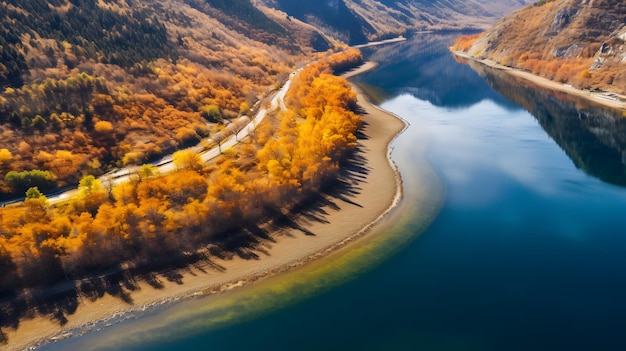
{"x":592,"y":136}
{"x":424,"y":68}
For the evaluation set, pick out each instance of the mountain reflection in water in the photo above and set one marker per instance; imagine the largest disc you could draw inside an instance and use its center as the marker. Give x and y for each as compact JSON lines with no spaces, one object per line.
{"x":593,"y":137}
{"x":424,"y":68}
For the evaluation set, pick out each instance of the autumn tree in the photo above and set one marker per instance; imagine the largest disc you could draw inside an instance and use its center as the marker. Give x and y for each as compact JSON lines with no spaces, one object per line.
{"x":5,"y":158}
{"x":219,"y":136}
{"x":8,"y":278}
{"x":103,"y":127}
{"x":36,"y":205}
{"x":465,"y":42}
{"x":148,"y":171}
{"x":22,"y":181}
{"x":211,"y":113}
{"x":187,"y":159}
{"x":91,"y":194}
{"x":238,"y":125}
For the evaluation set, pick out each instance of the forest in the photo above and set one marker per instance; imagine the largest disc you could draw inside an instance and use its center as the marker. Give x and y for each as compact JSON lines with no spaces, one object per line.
{"x":104,"y":227}
{"x":87,"y":87}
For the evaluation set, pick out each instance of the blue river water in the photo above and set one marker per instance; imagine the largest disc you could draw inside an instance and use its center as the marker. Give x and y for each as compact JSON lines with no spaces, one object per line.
{"x":527,"y":251}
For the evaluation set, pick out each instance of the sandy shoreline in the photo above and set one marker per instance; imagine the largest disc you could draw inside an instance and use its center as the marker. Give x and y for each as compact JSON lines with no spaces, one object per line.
{"x":344,"y":219}
{"x":598,"y":98}
{"x":367,"y":66}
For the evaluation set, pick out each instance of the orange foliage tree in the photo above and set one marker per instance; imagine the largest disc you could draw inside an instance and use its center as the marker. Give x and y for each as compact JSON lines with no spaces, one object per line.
{"x":152,"y":215}
{"x":465,"y":42}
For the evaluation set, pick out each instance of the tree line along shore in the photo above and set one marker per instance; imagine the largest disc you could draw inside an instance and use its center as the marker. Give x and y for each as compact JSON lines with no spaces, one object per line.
{"x":362,"y":192}
{"x":139,"y":222}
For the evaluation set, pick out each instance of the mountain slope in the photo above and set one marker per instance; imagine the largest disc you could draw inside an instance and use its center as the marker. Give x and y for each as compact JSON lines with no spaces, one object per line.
{"x":332,"y":15}
{"x":91,"y":85}
{"x":578,"y":42}
{"x":356,"y":21}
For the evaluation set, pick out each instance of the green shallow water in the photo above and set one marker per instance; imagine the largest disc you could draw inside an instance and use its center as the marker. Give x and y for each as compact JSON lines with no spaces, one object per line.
{"x":186,"y":320}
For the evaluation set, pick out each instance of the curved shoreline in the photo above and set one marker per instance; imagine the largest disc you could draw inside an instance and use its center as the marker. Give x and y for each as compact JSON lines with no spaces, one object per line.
{"x":285,"y":254}
{"x":598,"y":98}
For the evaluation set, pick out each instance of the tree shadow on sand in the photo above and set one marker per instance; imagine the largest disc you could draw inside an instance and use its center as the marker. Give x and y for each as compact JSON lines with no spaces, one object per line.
{"x":252,"y":242}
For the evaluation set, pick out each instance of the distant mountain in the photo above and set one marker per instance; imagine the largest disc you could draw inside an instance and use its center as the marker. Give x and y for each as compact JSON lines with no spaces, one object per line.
{"x":577,"y":42}
{"x":356,"y":21}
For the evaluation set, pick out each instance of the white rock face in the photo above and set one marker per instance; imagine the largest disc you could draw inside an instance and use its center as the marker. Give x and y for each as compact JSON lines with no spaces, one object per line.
{"x":621,"y":34}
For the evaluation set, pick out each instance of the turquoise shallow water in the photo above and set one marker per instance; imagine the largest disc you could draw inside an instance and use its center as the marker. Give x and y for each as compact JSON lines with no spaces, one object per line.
{"x":527,"y":252}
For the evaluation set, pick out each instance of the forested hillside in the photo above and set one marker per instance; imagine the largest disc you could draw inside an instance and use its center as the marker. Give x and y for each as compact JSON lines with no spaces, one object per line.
{"x":88,"y":86}
{"x":577,"y":42}
{"x":177,"y":215}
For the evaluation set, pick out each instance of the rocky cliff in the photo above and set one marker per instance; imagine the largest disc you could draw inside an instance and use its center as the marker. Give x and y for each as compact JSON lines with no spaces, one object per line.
{"x":576,"y":42}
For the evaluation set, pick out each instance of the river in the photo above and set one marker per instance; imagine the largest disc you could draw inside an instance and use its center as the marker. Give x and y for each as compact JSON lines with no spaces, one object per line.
{"x":526,"y":251}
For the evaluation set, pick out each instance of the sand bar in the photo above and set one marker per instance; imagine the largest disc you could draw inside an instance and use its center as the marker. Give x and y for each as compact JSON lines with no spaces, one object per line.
{"x":342,"y":220}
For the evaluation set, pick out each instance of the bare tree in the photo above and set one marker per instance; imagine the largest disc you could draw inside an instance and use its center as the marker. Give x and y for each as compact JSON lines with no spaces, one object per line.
{"x":238,"y":125}
{"x":219,"y":136}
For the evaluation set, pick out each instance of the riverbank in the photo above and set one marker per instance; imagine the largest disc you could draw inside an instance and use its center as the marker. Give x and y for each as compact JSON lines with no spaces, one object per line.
{"x":337,"y":221}
{"x":601,"y":98}
{"x":366,"y":66}
{"x":381,"y":42}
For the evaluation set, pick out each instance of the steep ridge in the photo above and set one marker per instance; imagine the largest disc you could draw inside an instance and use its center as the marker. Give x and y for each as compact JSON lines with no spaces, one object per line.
{"x":355,"y":21}
{"x":333,"y":16}
{"x":577,"y":42}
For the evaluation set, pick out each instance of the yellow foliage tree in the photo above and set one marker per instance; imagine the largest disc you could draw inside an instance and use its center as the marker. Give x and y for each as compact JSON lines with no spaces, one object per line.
{"x":187,"y":159}
{"x":103,"y":127}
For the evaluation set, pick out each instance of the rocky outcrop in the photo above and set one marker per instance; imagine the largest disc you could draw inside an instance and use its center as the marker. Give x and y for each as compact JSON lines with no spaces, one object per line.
{"x":562,"y":19}
{"x":612,"y":51}
{"x":577,"y":42}
{"x":568,"y":52}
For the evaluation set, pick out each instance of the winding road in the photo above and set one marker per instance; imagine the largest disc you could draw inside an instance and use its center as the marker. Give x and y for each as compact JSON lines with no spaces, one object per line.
{"x":166,"y":164}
